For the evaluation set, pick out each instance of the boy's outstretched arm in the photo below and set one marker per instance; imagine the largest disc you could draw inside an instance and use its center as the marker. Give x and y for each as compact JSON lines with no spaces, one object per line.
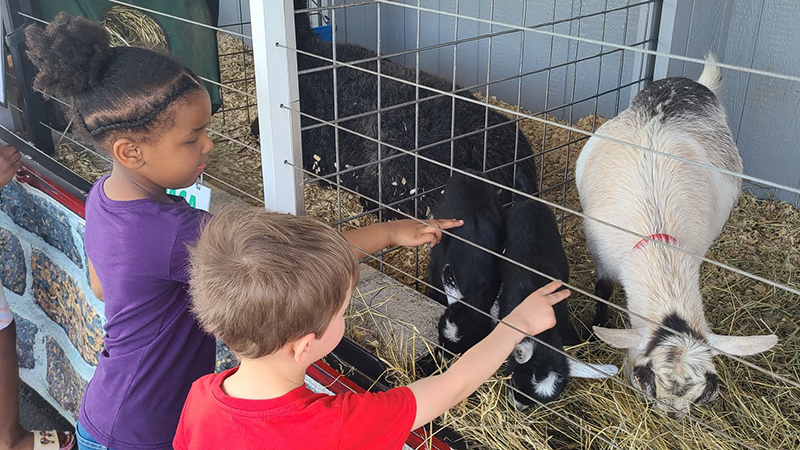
{"x":437,"y":394}
{"x":407,"y":233}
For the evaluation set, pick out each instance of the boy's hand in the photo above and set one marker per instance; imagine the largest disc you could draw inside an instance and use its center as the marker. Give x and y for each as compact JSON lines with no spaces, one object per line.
{"x":10,"y":162}
{"x":437,"y":394}
{"x":535,"y":314}
{"x":411,"y":233}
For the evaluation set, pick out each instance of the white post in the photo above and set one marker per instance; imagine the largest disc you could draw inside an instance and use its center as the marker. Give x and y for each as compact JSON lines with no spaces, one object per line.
{"x":276,"y":85}
{"x":673,"y":35}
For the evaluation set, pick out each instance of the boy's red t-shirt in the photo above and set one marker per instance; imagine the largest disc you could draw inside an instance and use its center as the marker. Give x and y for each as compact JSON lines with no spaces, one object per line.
{"x":300,"y":419}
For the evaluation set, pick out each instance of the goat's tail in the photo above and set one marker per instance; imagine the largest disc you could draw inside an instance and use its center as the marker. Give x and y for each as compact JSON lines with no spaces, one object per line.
{"x":712,"y":76}
{"x":302,"y":26}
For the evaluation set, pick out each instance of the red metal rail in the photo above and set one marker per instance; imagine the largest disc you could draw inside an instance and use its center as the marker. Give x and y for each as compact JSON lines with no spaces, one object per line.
{"x":31,"y":176}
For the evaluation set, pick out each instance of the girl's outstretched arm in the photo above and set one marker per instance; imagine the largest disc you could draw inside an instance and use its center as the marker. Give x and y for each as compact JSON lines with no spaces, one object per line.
{"x":407,"y":232}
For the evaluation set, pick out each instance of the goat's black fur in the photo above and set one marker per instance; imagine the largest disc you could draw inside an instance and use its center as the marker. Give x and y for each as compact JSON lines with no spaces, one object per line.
{"x":357,"y":93}
{"x":532,"y":239}
{"x":476,"y":272}
{"x":462,"y":270}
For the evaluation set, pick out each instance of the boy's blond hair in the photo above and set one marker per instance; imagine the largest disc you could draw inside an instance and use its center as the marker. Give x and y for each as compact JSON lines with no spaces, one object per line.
{"x":260,"y":279}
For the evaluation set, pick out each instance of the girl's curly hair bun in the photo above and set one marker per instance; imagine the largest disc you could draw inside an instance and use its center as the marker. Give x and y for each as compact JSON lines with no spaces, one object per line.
{"x":70,"y":55}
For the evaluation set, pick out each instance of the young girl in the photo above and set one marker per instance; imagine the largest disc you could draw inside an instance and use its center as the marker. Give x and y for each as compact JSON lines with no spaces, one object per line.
{"x":150,"y":114}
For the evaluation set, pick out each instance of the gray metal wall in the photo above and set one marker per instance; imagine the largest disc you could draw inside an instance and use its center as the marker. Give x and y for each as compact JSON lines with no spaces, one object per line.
{"x":764,"y":113}
{"x":540,"y":91}
{"x":546,"y":90}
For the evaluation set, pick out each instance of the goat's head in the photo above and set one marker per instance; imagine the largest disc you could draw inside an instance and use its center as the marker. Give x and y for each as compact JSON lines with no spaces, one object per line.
{"x":677,"y":370}
{"x":462,"y":326}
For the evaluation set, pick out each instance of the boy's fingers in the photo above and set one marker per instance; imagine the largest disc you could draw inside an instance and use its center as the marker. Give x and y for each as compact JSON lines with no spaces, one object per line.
{"x":556,"y":297}
{"x":549,"y":288}
{"x":435,"y":235}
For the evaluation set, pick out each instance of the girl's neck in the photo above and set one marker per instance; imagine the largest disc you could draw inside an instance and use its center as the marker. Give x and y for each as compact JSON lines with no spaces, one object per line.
{"x":124,"y":185}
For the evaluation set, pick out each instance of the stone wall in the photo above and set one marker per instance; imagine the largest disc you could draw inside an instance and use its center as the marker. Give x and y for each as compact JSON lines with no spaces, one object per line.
{"x":45,"y":277}
{"x":59,"y":321}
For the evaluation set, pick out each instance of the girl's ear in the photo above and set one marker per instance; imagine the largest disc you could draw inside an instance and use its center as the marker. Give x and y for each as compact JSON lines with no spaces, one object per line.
{"x":301,"y":348}
{"x":127,"y":152}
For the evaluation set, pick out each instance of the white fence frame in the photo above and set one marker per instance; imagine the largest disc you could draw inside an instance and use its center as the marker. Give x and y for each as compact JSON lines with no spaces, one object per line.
{"x":276,"y":86}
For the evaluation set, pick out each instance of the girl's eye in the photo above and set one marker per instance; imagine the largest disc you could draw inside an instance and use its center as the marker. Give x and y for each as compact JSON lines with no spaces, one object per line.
{"x":191,"y":142}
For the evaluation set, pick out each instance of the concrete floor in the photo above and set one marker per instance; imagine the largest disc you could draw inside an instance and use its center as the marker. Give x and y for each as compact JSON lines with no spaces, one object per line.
{"x":36,"y":414}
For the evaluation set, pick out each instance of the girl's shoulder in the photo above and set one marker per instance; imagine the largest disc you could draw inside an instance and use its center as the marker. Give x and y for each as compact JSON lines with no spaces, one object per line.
{"x":141,"y":214}
{"x":139,"y":223}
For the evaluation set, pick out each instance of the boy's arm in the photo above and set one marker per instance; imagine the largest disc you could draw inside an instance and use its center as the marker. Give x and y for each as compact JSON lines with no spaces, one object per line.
{"x":437,"y":394}
{"x":407,"y":232}
{"x":370,"y":239}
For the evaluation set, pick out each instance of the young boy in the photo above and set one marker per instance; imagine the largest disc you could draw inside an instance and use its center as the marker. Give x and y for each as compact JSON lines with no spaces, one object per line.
{"x":275,"y":288}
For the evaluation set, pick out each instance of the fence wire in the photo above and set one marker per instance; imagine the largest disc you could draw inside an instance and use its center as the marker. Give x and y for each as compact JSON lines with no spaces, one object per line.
{"x":536,"y":118}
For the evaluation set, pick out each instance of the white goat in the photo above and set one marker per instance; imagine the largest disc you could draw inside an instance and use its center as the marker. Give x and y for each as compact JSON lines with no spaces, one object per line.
{"x":678,"y":203}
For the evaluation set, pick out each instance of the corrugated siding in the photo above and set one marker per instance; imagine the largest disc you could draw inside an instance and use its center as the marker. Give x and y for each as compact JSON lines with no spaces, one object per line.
{"x":764,"y":112}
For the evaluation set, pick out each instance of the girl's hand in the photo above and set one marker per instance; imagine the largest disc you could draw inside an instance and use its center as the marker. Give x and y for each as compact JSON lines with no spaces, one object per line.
{"x":411,"y":233}
{"x":10,"y":162}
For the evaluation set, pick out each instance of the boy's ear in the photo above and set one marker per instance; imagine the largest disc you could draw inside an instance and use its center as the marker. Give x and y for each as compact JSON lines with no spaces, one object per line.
{"x":127,"y":152}
{"x":301,"y":347}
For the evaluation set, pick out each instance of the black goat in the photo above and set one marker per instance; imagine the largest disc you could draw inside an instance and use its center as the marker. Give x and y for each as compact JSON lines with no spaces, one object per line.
{"x":532,"y":239}
{"x":423,"y":122}
{"x":463,"y":271}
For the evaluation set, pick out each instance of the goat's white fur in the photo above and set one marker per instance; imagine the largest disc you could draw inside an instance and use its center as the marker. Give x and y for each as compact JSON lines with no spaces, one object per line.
{"x":450,"y":286}
{"x":450,"y":331}
{"x":580,"y":369}
{"x":547,"y":386}
{"x":648,"y":193}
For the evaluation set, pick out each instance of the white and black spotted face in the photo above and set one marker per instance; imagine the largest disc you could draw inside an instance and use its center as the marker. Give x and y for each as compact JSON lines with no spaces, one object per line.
{"x":675,"y":371}
{"x":461,"y":327}
{"x":538,"y":375}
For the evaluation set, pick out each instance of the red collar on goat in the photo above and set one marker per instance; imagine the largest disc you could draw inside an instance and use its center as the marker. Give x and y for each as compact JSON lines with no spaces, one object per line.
{"x":656,"y":237}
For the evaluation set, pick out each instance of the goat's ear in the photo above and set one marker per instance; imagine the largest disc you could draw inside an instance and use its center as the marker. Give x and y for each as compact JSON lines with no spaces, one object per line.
{"x":495,"y":311}
{"x":622,"y":338}
{"x":580,"y":369}
{"x":524,"y":350}
{"x":742,"y":345}
{"x":450,"y":285}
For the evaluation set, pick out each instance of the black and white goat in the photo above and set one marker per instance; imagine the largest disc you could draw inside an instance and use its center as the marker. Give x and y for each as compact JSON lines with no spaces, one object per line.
{"x":673,"y":202}
{"x":463,"y":271}
{"x":421,"y":123}
{"x":538,"y":372}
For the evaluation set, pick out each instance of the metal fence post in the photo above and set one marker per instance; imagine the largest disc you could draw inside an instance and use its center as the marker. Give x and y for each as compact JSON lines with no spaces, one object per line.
{"x":276,"y":88}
